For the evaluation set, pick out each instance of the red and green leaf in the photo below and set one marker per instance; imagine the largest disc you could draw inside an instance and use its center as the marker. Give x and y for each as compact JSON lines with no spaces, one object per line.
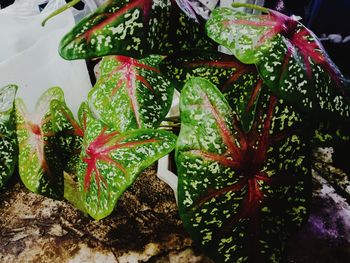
{"x":133,"y":28}
{"x":8,"y":138}
{"x":85,"y":116}
{"x":40,"y":167}
{"x":289,"y":58}
{"x":111,"y":161}
{"x":130,"y":93}
{"x":241,"y":194}
{"x":69,"y":134}
{"x":239,"y":82}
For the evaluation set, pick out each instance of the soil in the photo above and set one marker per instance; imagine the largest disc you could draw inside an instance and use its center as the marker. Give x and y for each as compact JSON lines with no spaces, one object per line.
{"x":145,"y":226}
{"x":37,"y":229}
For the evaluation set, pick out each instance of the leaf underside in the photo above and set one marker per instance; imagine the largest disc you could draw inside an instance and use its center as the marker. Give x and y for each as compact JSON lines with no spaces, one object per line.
{"x":130,"y":93}
{"x":8,"y":138}
{"x":133,"y":28}
{"x":241,"y":194}
{"x":111,"y":161}
{"x":289,"y":58}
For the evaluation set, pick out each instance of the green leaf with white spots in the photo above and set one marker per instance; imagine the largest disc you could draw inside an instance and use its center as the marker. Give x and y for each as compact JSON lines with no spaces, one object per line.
{"x":40,"y":167}
{"x":111,"y":161}
{"x":71,"y":192}
{"x":69,"y":135}
{"x":134,"y":28}
{"x":240,"y":83}
{"x":289,"y":58}
{"x":8,"y":138}
{"x":131,"y":93}
{"x":85,"y":115}
{"x":69,"y":138}
{"x":241,"y":194}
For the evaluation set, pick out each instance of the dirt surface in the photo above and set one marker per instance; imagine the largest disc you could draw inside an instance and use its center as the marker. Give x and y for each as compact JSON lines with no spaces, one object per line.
{"x":325,"y":237}
{"x":38,"y":229}
{"x":145,"y":226}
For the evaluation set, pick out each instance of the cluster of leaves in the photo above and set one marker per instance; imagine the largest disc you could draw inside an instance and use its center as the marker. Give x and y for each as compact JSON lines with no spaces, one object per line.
{"x":243,"y":152}
{"x":112,"y":143}
{"x":243,"y":159}
{"x":134,"y":28}
{"x":130,"y":99}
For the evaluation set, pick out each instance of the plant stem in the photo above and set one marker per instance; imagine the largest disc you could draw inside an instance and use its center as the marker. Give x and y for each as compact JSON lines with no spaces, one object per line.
{"x":251,"y":6}
{"x":59,"y":10}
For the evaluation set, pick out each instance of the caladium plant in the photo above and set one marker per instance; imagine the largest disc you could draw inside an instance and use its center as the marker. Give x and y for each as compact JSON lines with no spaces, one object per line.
{"x":111,"y":161}
{"x":289,"y":58}
{"x":8,"y":138}
{"x":243,"y":154}
{"x":239,"y":83}
{"x":241,"y":194}
{"x":41,"y":159}
{"x":130,"y":93}
{"x":133,"y":28}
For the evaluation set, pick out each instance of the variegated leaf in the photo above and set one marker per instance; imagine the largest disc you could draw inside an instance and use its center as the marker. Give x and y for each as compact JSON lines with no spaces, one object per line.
{"x":133,"y":28}
{"x":85,"y":116}
{"x":111,"y":161}
{"x":8,"y":138}
{"x":239,"y":82}
{"x":241,"y":194}
{"x":131,"y":93}
{"x":69,"y":135}
{"x":289,"y":57}
{"x":72,"y":193}
{"x":40,"y":167}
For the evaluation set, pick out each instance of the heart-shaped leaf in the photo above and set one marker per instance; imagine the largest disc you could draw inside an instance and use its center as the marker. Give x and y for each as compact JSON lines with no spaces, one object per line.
{"x":40,"y":167}
{"x":241,"y":194}
{"x":239,"y":82}
{"x":289,"y":58}
{"x":133,"y":28}
{"x":8,"y":138}
{"x":131,"y":93}
{"x":111,"y":161}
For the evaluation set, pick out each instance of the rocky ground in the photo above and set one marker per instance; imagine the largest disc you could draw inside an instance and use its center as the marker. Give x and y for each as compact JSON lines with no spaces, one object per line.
{"x":146,"y":228}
